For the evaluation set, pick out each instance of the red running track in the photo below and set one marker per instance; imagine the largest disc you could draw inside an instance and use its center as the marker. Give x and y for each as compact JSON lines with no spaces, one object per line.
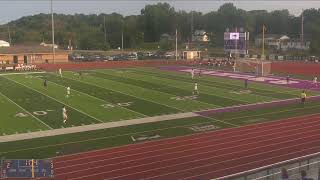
{"x":200,"y":156}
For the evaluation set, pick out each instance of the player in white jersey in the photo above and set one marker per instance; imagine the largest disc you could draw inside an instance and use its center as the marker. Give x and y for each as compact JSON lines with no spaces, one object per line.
{"x":195,"y":90}
{"x":68,"y":91}
{"x":60,"y":72}
{"x":64,"y":114}
{"x":315,"y":81}
{"x":192,"y":73}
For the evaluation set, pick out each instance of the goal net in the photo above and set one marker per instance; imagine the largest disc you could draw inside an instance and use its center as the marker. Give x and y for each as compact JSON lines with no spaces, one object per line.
{"x":261,"y":68}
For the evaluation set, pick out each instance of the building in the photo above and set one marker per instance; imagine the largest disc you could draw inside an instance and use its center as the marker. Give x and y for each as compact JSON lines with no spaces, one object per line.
{"x":200,"y":36}
{"x":282,"y":42}
{"x":4,"y":43}
{"x":191,"y":55}
{"x":31,"y":55}
{"x":48,"y":45}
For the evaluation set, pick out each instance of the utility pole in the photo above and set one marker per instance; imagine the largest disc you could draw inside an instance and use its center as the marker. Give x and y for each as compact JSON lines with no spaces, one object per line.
{"x":105,"y":30}
{"x":302,"y":30}
{"x":122,"y":41}
{"x":176,"y":44}
{"x":263,"y":29}
{"x":9,"y":35}
{"x":52,"y":27}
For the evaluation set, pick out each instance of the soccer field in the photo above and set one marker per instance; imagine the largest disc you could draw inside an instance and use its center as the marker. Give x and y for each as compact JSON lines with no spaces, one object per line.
{"x":111,"y":95}
{"x":114,"y":95}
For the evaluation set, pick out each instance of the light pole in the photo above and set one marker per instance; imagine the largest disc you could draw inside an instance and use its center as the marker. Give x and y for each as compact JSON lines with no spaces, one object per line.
{"x":176,"y":44}
{"x":52,"y":29}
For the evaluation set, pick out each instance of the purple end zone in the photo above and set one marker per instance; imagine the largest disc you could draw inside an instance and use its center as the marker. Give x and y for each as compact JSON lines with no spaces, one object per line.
{"x":273,"y":80}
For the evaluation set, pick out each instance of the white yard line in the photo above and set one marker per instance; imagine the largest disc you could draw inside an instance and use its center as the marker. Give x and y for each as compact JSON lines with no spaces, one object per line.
{"x":55,"y":99}
{"x":126,"y":94}
{"x":98,"y":98}
{"x":26,"y":111}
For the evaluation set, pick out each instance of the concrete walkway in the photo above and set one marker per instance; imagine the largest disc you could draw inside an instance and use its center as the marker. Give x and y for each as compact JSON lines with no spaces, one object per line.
{"x":55,"y":132}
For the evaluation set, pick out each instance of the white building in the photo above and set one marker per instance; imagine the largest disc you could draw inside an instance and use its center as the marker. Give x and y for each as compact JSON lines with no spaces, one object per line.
{"x":4,"y":43}
{"x":200,"y":36}
{"x":48,"y":45}
{"x":282,"y":42}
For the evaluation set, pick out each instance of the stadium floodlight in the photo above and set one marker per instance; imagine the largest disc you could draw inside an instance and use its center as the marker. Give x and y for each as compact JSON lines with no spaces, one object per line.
{"x":52,"y":30}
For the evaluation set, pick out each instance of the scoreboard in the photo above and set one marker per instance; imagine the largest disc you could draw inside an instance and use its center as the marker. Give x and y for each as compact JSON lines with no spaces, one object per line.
{"x":26,"y":168}
{"x":236,"y":42}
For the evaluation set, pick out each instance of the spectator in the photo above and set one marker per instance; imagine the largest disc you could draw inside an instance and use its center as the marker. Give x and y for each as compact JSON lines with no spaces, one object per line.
{"x":304,"y":175}
{"x":284,"y":174}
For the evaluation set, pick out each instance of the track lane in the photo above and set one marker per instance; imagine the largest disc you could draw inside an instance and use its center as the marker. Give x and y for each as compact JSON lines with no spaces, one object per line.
{"x":172,"y":159}
{"x":158,"y":144}
{"x":257,"y":139}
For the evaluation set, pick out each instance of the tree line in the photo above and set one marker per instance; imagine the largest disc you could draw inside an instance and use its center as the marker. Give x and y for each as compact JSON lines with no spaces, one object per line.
{"x":104,"y":31}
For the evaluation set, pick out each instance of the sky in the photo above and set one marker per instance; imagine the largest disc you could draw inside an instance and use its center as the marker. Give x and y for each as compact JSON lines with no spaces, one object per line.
{"x":14,"y":9}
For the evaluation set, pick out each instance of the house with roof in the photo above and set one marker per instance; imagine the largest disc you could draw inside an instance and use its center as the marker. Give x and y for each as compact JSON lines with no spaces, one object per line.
{"x":4,"y":43}
{"x":31,"y":54}
{"x":282,"y":42}
{"x":200,"y":36}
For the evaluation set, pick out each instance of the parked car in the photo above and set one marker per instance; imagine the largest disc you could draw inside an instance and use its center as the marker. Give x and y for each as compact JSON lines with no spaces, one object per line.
{"x":132,"y":56}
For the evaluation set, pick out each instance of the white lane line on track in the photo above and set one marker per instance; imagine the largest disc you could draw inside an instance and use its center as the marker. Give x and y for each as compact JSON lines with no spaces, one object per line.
{"x":166,"y":167}
{"x":206,"y":135}
{"x":304,"y":127}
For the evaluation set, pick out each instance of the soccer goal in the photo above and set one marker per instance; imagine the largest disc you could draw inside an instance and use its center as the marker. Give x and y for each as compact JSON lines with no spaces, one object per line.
{"x":261,"y":68}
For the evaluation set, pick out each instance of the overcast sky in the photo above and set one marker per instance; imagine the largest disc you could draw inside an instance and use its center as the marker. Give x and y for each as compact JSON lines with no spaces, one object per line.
{"x":14,"y":9}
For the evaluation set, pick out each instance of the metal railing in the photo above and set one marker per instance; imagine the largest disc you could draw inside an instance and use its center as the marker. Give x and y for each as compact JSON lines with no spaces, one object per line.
{"x":272,"y":171}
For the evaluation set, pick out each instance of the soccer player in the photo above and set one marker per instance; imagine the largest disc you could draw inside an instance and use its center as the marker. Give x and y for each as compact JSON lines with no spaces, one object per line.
{"x":68,"y":91}
{"x":303,"y":97}
{"x":80,"y":74}
{"x":234,"y":66}
{"x":64,"y":114}
{"x":192,"y":73}
{"x":60,"y":72}
{"x":246,"y":83}
{"x":45,"y":83}
{"x":315,"y":81}
{"x":288,"y":79}
{"x":195,"y":90}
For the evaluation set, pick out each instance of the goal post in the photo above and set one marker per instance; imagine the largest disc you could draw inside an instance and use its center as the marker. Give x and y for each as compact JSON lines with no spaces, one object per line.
{"x":261,"y":68}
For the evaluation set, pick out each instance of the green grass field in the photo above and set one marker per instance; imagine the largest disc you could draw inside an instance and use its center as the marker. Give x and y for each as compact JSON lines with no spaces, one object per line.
{"x":108,"y":95}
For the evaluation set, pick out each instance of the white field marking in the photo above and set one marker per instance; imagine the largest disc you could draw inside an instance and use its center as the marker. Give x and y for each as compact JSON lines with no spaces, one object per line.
{"x":206,"y":83}
{"x":235,"y":106}
{"x":55,"y":99}
{"x":267,"y":166}
{"x":26,"y":111}
{"x":255,"y":83}
{"x":195,"y":137}
{"x":133,"y":139}
{"x":274,"y":123}
{"x":256,"y":120}
{"x":26,"y":73}
{"x":163,"y":79}
{"x":248,"y":156}
{"x":161,"y":91}
{"x":221,"y":155}
{"x":220,"y":121}
{"x":257,"y":115}
{"x":253,"y":104}
{"x":126,"y":94}
{"x":99,"y":99}
{"x":195,"y":145}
